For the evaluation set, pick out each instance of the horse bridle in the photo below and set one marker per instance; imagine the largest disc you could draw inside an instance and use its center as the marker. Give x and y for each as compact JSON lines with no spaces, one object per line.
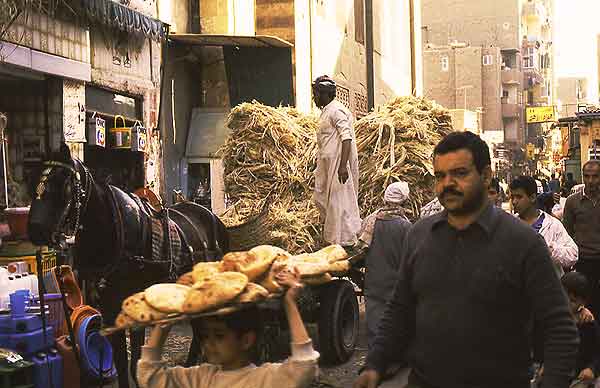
{"x":77,"y":203}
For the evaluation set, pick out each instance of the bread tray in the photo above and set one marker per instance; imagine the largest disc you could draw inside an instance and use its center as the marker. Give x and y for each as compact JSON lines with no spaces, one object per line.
{"x":269,"y":303}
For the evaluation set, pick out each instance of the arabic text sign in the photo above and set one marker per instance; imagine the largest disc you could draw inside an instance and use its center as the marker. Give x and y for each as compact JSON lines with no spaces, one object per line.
{"x":540,"y":114}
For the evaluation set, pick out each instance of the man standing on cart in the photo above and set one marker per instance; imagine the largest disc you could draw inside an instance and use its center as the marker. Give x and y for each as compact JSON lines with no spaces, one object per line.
{"x":336,"y":175}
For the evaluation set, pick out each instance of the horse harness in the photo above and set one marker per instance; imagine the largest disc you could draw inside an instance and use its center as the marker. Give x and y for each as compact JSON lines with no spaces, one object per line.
{"x":78,"y":203}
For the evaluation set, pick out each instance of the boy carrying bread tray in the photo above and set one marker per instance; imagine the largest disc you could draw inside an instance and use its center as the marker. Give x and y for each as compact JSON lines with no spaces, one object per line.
{"x":228,"y":343}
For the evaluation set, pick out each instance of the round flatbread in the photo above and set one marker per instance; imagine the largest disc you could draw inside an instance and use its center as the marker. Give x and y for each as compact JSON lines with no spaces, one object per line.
{"x":136,"y":307}
{"x":214,"y":292}
{"x":309,"y":264}
{"x":339,"y":267}
{"x":248,"y":263}
{"x":333,"y":253}
{"x":167,"y":297}
{"x":317,"y":280}
{"x":124,"y":320}
{"x":269,"y":253}
{"x":186,"y":279}
{"x":203,"y":271}
{"x":252,"y":293}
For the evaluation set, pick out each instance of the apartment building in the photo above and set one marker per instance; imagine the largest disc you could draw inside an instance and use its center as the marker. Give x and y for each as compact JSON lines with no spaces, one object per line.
{"x":491,"y":56}
{"x":571,"y":92}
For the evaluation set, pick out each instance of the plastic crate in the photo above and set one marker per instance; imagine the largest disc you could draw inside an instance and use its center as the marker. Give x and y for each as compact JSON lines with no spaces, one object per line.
{"x":48,"y":261}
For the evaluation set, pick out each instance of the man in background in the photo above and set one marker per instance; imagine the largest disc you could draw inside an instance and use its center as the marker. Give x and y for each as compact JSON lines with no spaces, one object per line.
{"x":336,"y":175}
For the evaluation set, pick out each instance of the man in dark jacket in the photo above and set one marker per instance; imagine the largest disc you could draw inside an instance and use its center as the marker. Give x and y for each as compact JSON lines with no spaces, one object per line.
{"x":470,"y":280}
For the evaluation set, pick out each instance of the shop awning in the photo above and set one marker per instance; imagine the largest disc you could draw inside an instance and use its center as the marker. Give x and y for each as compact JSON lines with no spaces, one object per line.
{"x":207,"y":133}
{"x":230,"y":40}
{"x":115,"y":15}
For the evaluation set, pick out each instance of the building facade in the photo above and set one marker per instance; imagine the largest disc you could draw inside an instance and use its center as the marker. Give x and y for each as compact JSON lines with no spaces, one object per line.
{"x":270,"y":51}
{"x":495,"y":57}
{"x":76,"y":74}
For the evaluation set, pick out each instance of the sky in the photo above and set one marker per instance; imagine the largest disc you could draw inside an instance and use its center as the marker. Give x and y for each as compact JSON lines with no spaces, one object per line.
{"x":575,"y":29}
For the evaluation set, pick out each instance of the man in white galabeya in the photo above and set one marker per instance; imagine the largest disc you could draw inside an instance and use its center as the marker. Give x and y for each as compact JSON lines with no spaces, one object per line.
{"x":336,"y":175}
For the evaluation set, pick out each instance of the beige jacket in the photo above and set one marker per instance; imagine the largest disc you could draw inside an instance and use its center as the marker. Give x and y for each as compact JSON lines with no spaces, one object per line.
{"x":298,"y":371}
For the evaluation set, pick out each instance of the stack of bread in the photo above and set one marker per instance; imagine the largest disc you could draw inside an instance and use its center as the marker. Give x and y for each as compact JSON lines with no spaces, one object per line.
{"x":241,"y":277}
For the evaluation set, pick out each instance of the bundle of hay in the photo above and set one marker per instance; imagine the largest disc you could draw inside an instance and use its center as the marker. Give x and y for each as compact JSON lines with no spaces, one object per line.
{"x":396,"y":142}
{"x":269,"y":157}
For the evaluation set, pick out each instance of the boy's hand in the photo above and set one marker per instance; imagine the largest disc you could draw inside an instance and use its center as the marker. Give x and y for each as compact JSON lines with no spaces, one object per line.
{"x":586,"y":375}
{"x":585,"y":316}
{"x":291,"y":280}
{"x":158,"y":335}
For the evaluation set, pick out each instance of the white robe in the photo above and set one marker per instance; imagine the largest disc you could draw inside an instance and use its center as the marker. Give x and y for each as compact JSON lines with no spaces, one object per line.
{"x":337,"y":202}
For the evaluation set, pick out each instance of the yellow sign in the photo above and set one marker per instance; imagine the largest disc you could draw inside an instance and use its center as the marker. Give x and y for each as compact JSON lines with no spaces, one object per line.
{"x":540,"y":114}
{"x":530,"y":151}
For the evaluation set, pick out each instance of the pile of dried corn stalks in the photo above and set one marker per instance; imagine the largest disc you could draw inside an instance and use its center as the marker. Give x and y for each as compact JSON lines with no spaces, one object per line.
{"x":269,"y":160}
{"x":395,"y":142}
{"x":269,"y":157}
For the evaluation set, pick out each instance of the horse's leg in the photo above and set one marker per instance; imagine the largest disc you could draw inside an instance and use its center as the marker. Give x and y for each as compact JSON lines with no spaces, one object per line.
{"x":119,"y":346}
{"x":136,"y":341}
{"x":195,"y":349}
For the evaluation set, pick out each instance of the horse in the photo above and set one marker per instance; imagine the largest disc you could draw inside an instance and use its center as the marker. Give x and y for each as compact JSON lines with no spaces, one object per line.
{"x":116,"y":238}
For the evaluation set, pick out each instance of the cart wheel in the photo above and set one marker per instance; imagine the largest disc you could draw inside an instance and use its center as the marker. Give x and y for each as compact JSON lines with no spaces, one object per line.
{"x":338,"y":321}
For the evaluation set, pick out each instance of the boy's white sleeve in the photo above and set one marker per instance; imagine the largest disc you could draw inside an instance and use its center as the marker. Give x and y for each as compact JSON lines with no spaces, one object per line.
{"x":152,"y":372}
{"x":298,"y":371}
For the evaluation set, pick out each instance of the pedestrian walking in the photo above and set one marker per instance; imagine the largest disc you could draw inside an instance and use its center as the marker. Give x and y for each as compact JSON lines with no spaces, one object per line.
{"x":581,"y":217}
{"x":470,"y":280}
{"x":383,"y":233}
{"x":336,"y":175}
{"x":563,"y":249}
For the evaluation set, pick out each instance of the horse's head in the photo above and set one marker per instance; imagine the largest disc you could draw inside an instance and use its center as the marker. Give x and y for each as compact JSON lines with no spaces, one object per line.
{"x":58,"y":198}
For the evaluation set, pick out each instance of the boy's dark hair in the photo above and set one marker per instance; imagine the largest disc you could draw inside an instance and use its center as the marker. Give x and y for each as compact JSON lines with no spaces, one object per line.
{"x":466,"y":140}
{"x":577,"y":284}
{"x":243,"y":321}
{"x":525,"y":183}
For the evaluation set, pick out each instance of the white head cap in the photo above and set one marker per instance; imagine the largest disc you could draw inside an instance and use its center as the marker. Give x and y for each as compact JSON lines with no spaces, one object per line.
{"x":396,"y":193}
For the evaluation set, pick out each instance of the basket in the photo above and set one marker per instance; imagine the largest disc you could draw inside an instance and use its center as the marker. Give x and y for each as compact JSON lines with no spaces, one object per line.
{"x":48,"y":261}
{"x":120,"y":137}
{"x":251,"y":233}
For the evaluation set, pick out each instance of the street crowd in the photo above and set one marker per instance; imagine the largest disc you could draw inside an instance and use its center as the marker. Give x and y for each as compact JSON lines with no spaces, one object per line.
{"x":469,"y":296}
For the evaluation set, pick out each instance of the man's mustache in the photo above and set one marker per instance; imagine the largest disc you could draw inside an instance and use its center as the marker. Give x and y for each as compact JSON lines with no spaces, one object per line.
{"x":450,"y":191}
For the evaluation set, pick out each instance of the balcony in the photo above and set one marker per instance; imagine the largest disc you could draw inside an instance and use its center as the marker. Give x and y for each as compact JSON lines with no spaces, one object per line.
{"x":510,"y":111}
{"x":512,"y":77}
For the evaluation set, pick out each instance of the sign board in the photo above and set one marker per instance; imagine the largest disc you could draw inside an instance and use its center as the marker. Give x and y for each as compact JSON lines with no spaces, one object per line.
{"x":97,"y":131}
{"x":139,"y":138}
{"x":74,"y":111}
{"x":540,"y":114}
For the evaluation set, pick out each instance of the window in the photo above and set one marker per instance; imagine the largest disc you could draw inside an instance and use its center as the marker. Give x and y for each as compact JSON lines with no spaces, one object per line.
{"x":529,"y":97}
{"x":445,"y":65}
{"x":505,"y":93}
{"x":488,"y":60}
{"x":529,"y":59}
{"x":359,"y":21}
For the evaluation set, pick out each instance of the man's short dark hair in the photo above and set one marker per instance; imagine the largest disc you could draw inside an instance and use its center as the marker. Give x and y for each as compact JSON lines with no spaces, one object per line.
{"x":577,"y":284}
{"x":589,"y":162}
{"x":525,"y":183}
{"x":469,"y":141}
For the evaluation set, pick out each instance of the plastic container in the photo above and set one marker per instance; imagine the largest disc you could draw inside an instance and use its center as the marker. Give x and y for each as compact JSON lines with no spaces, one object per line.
{"x":17,"y":218}
{"x":28,"y":343}
{"x":48,"y":369}
{"x":19,"y":300}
